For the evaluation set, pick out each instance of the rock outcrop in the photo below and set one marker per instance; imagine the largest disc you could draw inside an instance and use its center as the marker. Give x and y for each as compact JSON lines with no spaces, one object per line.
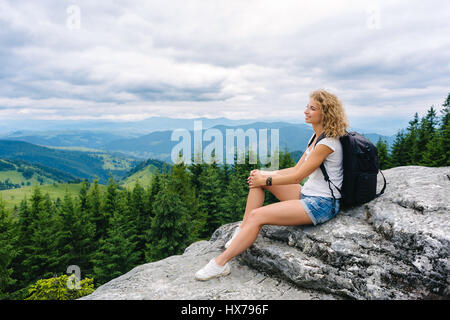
{"x":394,"y":247}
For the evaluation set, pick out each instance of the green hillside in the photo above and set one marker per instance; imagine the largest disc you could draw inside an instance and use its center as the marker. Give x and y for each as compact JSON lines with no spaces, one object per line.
{"x":22,"y":176}
{"x":20,"y":173}
{"x":144,"y":172}
{"x":144,"y":175}
{"x":15,"y":196}
{"x":78,"y":164}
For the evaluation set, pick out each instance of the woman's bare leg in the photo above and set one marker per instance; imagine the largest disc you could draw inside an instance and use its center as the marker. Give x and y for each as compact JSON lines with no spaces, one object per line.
{"x":289,"y":212}
{"x":255,"y":197}
{"x":255,"y":200}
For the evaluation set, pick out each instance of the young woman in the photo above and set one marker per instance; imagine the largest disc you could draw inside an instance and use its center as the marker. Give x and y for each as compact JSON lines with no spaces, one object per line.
{"x":311,"y":204}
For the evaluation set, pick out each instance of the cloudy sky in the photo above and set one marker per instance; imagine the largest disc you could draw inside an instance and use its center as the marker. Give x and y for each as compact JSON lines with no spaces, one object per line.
{"x":129,"y":60}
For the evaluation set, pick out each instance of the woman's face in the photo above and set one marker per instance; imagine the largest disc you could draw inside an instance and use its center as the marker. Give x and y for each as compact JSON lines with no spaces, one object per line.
{"x":313,"y":114}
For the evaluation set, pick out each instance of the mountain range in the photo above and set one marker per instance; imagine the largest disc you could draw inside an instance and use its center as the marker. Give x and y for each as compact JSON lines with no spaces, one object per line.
{"x":154,"y":140}
{"x":57,"y":154}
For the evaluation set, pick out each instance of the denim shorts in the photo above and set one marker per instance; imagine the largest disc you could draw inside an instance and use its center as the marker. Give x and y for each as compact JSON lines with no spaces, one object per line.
{"x":319,"y":209}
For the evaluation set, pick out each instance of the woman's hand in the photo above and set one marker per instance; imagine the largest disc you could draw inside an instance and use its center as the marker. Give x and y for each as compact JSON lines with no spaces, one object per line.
{"x":256,"y":179}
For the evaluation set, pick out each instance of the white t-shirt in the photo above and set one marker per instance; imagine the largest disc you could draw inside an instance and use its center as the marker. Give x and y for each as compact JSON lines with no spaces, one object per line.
{"x":316,"y":184}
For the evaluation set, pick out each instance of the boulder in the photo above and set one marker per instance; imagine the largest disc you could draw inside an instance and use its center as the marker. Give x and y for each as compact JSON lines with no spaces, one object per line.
{"x":394,"y":247}
{"x":173,"y":279}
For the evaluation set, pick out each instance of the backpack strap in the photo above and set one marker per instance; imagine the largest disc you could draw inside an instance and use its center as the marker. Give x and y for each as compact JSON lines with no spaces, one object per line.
{"x":322,"y":167}
{"x":384,"y":186}
{"x":311,"y":140}
{"x":327,"y":179}
{"x":322,"y":136}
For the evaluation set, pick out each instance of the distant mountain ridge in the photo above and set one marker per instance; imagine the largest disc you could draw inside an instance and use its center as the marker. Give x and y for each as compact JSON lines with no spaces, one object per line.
{"x":123,"y":128}
{"x":158,"y":145}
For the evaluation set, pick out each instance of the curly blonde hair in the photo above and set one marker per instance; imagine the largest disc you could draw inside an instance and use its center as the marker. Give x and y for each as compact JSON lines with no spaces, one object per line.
{"x":335,"y":122}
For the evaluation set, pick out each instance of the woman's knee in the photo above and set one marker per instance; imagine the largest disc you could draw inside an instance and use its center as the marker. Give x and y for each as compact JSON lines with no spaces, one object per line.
{"x":254,"y":217}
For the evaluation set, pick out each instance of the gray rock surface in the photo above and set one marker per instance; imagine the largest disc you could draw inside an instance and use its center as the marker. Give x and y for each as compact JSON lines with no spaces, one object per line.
{"x":394,"y":247}
{"x":173,"y":279}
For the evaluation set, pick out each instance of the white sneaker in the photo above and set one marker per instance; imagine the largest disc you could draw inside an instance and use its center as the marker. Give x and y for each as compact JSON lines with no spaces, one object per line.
{"x":212,"y":270}
{"x":235,"y":233}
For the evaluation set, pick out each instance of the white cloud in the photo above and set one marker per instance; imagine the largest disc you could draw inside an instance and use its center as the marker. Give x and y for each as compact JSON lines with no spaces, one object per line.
{"x":234,"y":58}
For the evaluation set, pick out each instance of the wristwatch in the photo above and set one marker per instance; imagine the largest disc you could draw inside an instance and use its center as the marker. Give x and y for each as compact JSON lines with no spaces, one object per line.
{"x":269,"y":181}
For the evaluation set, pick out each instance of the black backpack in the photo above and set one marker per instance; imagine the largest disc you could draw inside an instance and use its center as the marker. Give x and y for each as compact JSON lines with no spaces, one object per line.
{"x":361,"y":167}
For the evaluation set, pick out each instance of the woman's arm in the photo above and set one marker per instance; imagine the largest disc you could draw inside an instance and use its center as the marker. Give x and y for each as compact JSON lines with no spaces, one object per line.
{"x":300,"y":171}
{"x":269,"y":173}
{"x":277,"y":172}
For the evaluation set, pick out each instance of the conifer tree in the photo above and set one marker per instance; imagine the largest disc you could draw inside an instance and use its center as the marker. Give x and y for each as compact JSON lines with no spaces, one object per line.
{"x":196,"y":169}
{"x":7,"y":251}
{"x":446,"y":105}
{"x":383,"y":156}
{"x":169,"y":230}
{"x":94,"y":200}
{"x":181,"y":183}
{"x":140,"y":222}
{"x":150,"y":195}
{"x":198,"y":216}
{"x":22,"y":243}
{"x":75,"y":235}
{"x":116,"y":254}
{"x":399,"y":154}
{"x":434,"y":153}
{"x":445,"y":130}
{"x":83,"y":196}
{"x":111,"y":198}
{"x":286,"y":160}
{"x":84,"y":245}
{"x":446,"y":143}
{"x":432,"y":120}
{"x":224,"y":174}
{"x":411,"y":141}
{"x":65,"y":232}
{"x":42,"y":260}
{"x":210,"y":197}
{"x":235,"y":198}
{"x":426,"y":141}
{"x":426,"y":130}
